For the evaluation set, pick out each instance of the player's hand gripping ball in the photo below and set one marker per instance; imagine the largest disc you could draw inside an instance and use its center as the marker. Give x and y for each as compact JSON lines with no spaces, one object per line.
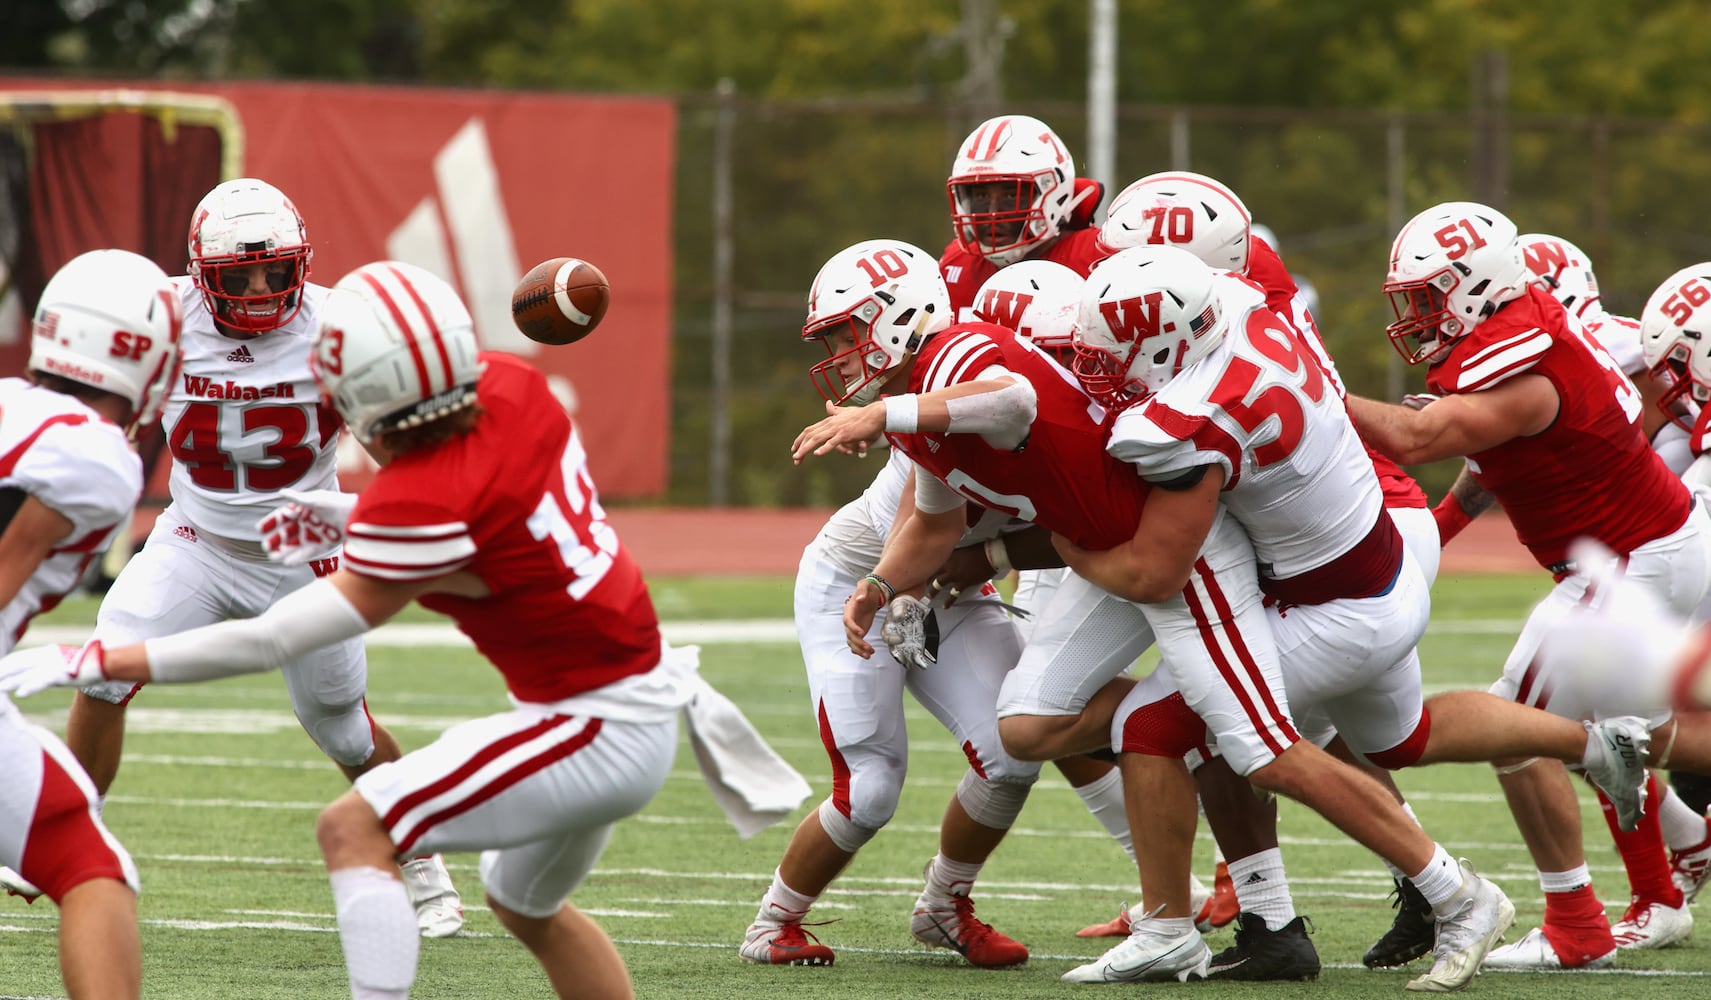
{"x":560,"y":301}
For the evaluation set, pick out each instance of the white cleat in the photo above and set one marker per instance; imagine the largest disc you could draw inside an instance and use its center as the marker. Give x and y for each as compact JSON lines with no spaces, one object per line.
{"x":18,"y":885}
{"x":439,"y":909}
{"x":1621,"y":775}
{"x":1533,"y":953}
{"x":1652,"y":925}
{"x":1148,"y":956}
{"x":1472,"y":923}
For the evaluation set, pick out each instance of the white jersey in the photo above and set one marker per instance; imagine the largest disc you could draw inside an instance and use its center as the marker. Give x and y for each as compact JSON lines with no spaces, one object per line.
{"x":855,"y":535}
{"x":79,"y":465}
{"x":1620,"y":338}
{"x":245,"y":420}
{"x":1258,"y":405}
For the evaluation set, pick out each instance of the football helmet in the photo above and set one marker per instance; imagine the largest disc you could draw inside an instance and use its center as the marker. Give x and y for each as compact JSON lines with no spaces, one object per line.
{"x":1038,"y":299}
{"x":1011,"y":188}
{"x":242,"y":223}
{"x":1146,"y":313}
{"x":1675,"y":338}
{"x":1451,"y":266}
{"x":1182,"y":209}
{"x":111,"y":319}
{"x":1564,"y":271}
{"x":872,"y":305}
{"x":395,"y":348}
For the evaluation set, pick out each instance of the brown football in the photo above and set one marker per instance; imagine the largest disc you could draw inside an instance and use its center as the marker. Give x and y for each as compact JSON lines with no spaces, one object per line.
{"x":560,"y":301}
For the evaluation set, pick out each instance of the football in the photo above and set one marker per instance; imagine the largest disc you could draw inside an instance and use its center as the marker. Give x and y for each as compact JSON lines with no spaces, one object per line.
{"x":560,"y":301}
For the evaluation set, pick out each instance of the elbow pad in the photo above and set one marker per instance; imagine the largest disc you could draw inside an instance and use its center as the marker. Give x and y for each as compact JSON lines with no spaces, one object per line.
{"x":1002,"y":416}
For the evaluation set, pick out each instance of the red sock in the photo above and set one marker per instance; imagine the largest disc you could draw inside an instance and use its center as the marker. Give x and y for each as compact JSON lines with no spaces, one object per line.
{"x":1577,"y":926}
{"x":1643,"y":852}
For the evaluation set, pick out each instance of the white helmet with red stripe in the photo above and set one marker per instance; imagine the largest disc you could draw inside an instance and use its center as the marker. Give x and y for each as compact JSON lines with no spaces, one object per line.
{"x":1565,"y":271}
{"x":1012,"y":186}
{"x":1039,"y":300}
{"x":396,"y":348}
{"x":873,"y":305}
{"x":1182,"y":209}
{"x":1451,"y":267}
{"x":110,"y":319}
{"x":1147,"y":313}
{"x":241,"y":224}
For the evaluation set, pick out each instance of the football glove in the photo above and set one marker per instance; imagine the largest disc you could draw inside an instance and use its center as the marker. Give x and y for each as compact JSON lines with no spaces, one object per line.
{"x":305,"y":528}
{"x":29,"y":671}
{"x":911,"y":632}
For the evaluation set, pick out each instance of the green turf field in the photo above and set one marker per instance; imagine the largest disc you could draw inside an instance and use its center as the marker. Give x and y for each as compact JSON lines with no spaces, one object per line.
{"x":218,"y":796}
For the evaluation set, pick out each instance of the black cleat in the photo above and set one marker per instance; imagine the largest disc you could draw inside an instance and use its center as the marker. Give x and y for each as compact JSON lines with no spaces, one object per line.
{"x":1261,"y":953}
{"x":1411,"y":934}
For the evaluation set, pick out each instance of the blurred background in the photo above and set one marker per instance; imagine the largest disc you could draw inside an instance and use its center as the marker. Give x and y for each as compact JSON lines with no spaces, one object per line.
{"x":711,"y":154}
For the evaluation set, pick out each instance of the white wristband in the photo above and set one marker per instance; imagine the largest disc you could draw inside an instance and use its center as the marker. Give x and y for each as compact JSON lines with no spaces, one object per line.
{"x":999,"y":556}
{"x":902,"y":413}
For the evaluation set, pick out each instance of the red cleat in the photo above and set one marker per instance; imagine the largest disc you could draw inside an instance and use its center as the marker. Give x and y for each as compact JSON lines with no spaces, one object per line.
{"x":783,"y":944}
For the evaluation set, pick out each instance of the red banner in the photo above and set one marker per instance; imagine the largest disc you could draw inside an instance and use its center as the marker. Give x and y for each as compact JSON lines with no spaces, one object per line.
{"x":479,"y":186}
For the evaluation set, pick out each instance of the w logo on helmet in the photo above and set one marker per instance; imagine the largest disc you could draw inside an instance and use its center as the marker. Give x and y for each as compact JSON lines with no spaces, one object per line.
{"x":1134,"y":320}
{"x":1003,"y":307}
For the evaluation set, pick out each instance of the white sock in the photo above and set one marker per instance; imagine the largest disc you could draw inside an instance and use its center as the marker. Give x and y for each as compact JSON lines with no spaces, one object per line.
{"x":1569,"y":881}
{"x":952,"y":878}
{"x":1165,"y":927}
{"x":1683,"y":829}
{"x":1440,"y":879}
{"x":377,"y":928}
{"x":782,"y":904}
{"x":1104,"y":799}
{"x":1263,"y":888}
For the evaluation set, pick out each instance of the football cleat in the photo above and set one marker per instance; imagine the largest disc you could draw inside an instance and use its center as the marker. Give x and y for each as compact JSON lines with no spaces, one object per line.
{"x":1690,"y":869}
{"x":1621,"y":774}
{"x":1411,"y":934}
{"x":1147,"y":955}
{"x":1473,"y":922}
{"x":1117,"y":926}
{"x":1222,"y":908}
{"x":1534,"y":953}
{"x":1651,"y":924}
{"x":439,"y":909}
{"x":948,"y":922}
{"x":18,"y":885}
{"x":1262,"y":954}
{"x":783,"y":944}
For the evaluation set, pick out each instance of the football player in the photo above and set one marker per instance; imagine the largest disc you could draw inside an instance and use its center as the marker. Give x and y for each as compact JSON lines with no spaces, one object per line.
{"x":1551,"y":429}
{"x":465,"y":518}
{"x":103,"y":355}
{"x":989,"y":420}
{"x":1014,"y":196}
{"x":247,"y":432}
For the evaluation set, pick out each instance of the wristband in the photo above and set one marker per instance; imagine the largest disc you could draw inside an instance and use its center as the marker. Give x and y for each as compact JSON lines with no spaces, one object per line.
{"x":1451,"y":518}
{"x":998,"y":554}
{"x":902,"y":413}
{"x":887,"y":589}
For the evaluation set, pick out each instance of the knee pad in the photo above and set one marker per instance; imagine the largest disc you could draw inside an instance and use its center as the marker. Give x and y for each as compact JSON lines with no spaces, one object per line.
{"x":113,"y":692}
{"x":847,"y":835}
{"x":992,"y":804}
{"x":347,"y":737}
{"x":1407,"y":753}
{"x":1164,"y":728}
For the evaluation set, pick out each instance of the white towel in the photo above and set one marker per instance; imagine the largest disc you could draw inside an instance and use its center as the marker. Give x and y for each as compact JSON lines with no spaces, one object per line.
{"x":751,"y":782}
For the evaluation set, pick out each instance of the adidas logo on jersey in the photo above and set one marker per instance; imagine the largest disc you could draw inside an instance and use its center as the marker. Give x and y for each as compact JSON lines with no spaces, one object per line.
{"x":185,"y":532}
{"x":242,"y":355}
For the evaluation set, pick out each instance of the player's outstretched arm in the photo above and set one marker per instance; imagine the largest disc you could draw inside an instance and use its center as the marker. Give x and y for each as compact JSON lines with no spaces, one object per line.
{"x":1154,"y":564}
{"x":994,"y":406}
{"x":1458,"y":424}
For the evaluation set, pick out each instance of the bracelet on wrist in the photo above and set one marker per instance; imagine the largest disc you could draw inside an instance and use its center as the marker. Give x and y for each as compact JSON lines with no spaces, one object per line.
{"x":885,"y":589}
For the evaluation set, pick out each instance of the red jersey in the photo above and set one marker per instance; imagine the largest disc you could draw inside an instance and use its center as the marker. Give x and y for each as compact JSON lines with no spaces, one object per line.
{"x":1591,"y":472}
{"x":568,"y":611}
{"x":965,"y":272}
{"x":1266,"y":269}
{"x":1060,"y":477}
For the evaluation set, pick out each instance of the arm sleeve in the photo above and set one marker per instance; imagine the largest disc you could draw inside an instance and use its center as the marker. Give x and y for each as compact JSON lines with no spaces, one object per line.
{"x":315,"y":616}
{"x":932,"y":496}
{"x":1001,"y":415}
